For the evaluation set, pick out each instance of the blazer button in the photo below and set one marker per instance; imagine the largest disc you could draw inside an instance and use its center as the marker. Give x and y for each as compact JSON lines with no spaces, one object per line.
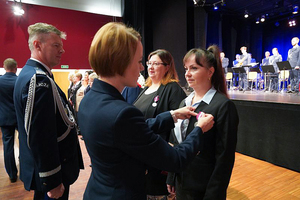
{"x":44,"y":183}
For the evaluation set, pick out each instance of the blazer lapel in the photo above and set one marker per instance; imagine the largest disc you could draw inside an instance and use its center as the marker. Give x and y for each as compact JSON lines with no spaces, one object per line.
{"x":193,"y":119}
{"x":151,"y":112}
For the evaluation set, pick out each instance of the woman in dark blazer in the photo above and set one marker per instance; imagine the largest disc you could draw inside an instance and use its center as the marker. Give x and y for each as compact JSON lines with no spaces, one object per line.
{"x":207,"y":177}
{"x":162,"y":93}
{"x":119,"y":141}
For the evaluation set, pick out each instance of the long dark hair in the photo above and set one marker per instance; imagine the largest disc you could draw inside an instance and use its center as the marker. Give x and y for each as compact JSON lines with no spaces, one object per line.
{"x":211,"y":57}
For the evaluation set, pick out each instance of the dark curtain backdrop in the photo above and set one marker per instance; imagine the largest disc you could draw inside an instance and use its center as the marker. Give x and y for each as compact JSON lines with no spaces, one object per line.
{"x":178,"y":26}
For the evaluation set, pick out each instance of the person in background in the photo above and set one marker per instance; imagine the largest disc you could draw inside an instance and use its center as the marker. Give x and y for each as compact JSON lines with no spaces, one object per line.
{"x":86,"y":80}
{"x":131,"y":93}
{"x":119,"y":141}
{"x":253,"y":60}
{"x":71,"y":80}
{"x":77,"y":84}
{"x":294,"y":59}
{"x":50,"y":155}
{"x":266,"y":60}
{"x":276,"y":57}
{"x":207,"y":177}
{"x":236,"y":61}
{"x":272,"y":80}
{"x":245,"y":59}
{"x":161,"y":93}
{"x":225,"y":62}
{"x":92,"y":76}
{"x":8,"y":119}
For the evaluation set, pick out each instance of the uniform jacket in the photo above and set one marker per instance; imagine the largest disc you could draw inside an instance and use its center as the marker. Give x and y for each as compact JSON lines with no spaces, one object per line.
{"x":120,"y":143}
{"x":210,"y":171}
{"x":294,"y":56}
{"x":44,"y":162}
{"x":7,"y":109}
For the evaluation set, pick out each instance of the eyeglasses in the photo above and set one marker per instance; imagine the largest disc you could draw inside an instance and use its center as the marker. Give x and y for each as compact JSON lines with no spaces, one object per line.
{"x":154,"y":64}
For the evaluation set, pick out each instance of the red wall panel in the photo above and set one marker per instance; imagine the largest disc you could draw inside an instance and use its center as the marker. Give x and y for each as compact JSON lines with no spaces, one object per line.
{"x":79,"y":26}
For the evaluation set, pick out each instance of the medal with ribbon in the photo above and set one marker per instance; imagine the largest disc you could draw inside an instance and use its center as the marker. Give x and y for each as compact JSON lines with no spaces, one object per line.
{"x":154,"y":104}
{"x":199,"y":115}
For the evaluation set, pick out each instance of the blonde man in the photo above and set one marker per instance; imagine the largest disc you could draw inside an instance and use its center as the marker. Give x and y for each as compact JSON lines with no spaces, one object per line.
{"x":50,"y":156}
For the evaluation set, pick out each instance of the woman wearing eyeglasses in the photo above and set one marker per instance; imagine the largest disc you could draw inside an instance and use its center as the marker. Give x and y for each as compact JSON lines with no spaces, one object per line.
{"x":207,"y":177}
{"x":161,"y":93}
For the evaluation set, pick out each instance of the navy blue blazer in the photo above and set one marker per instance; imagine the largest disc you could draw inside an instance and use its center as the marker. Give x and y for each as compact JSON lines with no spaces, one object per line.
{"x":7,"y":109}
{"x":120,"y":144}
{"x":44,"y":162}
{"x":209,"y":173}
{"x":294,"y":56}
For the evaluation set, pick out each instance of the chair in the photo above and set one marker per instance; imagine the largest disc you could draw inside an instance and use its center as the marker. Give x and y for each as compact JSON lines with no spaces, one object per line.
{"x":229,"y":77}
{"x":251,"y":77}
{"x":283,"y":77}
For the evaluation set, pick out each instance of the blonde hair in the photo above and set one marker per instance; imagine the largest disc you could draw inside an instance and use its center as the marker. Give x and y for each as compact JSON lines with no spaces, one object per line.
{"x":167,"y":59}
{"x":10,"y":64}
{"x":113,"y":48}
{"x":36,"y":30}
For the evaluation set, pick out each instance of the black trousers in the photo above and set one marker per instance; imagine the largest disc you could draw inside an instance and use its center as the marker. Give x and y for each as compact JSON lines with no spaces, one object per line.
{"x":8,"y":138}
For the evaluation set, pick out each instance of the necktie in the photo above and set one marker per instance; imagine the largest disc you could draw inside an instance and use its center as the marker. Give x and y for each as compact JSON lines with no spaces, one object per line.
{"x":183,"y":128}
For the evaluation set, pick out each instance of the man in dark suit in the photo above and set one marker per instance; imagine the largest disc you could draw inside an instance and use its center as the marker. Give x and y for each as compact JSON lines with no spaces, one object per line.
{"x":8,"y":120}
{"x":50,"y":156}
{"x":294,"y":59}
{"x":225,"y":62}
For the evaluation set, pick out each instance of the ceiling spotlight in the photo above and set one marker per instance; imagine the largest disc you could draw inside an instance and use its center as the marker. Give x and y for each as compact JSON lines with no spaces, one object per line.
{"x":257,"y":21}
{"x":263,"y":18}
{"x":295,"y":10}
{"x":18,"y":10}
{"x":292,"y":23}
{"x":216,"y":7}
{"x":199,"y":2}
{"x":246,"y":15}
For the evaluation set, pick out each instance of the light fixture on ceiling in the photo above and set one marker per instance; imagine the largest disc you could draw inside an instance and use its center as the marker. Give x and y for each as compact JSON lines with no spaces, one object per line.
{"x":257,"y":21}
{"x":199,"y":3}
{"x":18,"y":10}
{"x":263,"y":18}
{"x":246,"y":15}
{"x":295,"y":10}
{"x":292,"y":23}
{"x":216,"y":7}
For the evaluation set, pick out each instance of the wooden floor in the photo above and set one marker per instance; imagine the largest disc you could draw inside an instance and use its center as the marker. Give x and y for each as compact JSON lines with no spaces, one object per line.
{"x":251,"y":179}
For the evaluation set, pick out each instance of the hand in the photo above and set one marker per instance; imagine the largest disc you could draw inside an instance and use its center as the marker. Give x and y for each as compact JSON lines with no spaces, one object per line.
{"x":206,"y":122}
{"x":57,"y":192}
{"x":184,"y":113}
{"x":171,"y":189}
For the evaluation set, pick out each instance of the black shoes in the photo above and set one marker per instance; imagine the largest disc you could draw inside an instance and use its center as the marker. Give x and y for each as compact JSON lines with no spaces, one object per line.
{"x":14,"y":179}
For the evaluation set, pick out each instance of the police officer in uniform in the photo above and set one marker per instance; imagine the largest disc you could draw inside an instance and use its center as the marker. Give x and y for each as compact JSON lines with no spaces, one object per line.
{"x":8,"y":119}
{"x":50,"y":156}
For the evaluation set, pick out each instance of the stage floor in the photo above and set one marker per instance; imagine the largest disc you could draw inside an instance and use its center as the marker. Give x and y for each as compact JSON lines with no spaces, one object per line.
{"x":261,"y":96}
